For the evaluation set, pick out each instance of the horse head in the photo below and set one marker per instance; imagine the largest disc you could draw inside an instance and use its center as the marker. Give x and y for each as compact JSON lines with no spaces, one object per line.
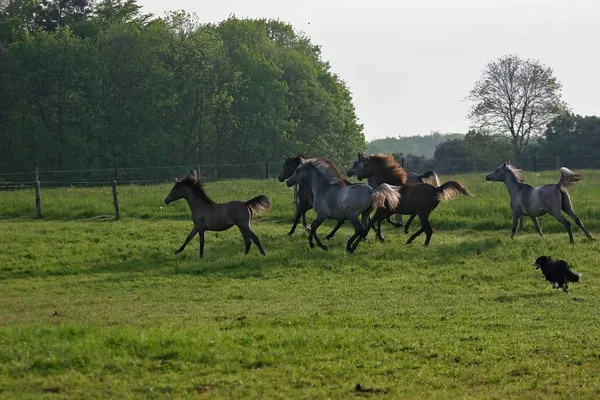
{"x":289,"y":166}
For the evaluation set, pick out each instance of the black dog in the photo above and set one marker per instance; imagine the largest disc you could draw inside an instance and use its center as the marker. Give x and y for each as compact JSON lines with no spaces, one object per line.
{"x":557,"y":272}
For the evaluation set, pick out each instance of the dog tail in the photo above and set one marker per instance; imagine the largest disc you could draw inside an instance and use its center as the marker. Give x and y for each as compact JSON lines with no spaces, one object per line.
{"x":450,"y":189}
{"x":258,"y":205}
{"x":572,"y":277}
{"x":567,"y":178}
{"x":431,"y":178}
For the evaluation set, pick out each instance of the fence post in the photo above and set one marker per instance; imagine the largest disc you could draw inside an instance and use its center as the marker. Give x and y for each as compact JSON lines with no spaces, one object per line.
{"x":115,"y":199}
{"x":295,"y":197}
{"x":402,"y":162}
{"x":38,"y":200}
{"x":266,"y":170}
{"x":534,"y":164}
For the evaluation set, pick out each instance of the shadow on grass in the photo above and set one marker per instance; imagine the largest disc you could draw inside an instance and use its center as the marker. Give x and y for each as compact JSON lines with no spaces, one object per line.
{"x":227,"y":260}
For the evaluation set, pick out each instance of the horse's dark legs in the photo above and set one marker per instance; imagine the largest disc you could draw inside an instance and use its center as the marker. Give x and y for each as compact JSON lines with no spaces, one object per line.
{"x":301,"y":208}
{"x":538,"y":228}
{"x":516,"y":217}
{"x":378,"y":230}
{"x":335,"y":229}
{"x":358,"y":229}
{"x":410,"y":220}
{"x":578,"y":222}
{"x":250,"y":237}
{"x":398,"y":222}
{"x":558,"y":215}
{"x":425,"y":227}
{"x":201,"y":237}
{"x":313,"y":233}
{"x":379,"y":216}
{"x":187,"y":240}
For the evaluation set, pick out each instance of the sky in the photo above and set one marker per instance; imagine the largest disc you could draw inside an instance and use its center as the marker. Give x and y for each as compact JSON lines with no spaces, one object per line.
{"x":410,"y":64}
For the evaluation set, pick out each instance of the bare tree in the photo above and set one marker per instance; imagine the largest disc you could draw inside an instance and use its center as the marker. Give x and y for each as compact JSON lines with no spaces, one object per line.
{"x":516,"y":96}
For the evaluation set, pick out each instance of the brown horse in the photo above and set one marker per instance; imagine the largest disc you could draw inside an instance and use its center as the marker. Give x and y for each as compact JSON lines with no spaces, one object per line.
{"x":420,"y":199}
{"x":210,"y":216}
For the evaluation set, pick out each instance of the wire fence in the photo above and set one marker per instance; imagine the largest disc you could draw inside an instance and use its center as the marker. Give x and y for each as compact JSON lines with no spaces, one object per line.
{"x":107,"y":180}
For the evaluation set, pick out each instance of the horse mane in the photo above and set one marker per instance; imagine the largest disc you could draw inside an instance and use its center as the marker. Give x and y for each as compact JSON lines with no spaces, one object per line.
{"x":517,"y":173}
{"x":198,"y":189}
{"x":328,"y":170}
{"x":388,"y":162}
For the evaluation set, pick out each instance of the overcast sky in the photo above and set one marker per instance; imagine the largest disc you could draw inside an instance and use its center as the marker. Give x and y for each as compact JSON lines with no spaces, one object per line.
{"x":410,"y":64}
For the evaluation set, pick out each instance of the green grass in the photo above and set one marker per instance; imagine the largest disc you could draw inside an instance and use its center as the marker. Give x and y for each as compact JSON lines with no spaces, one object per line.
{"x":96,"y":308}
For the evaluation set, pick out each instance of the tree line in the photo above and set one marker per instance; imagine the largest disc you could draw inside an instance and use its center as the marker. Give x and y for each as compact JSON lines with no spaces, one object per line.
{"x":87,"y":84}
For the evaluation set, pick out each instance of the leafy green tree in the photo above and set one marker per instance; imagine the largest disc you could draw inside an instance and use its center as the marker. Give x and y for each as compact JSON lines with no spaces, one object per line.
{"x":515,"y":96}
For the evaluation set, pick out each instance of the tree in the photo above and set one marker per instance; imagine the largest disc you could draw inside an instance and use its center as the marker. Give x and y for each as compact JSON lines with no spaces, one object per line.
{"x":574,"y":138}
{"x":516,"y":96}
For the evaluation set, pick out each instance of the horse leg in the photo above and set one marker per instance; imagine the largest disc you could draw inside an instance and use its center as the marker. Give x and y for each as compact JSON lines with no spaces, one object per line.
{"x":300,"y":211}
{"x":560,"y":218}
{"x":569,"y":210}
{"x":378,"y":217}
{"x":187,"y":240}
{"x":516,"y":217}
{"x":427,"y":227}
{"x":246,"y":236}
{"x":358,"y":230}
{"x":256,"y":241}
{"x":335,"y":229}
{"x":365,"y":219}
{"x":399,"y":221}
{"x":313,"y":233}
{"x":538,"y":228}
{"x":410,"y":220}
{"x":201,"y":237}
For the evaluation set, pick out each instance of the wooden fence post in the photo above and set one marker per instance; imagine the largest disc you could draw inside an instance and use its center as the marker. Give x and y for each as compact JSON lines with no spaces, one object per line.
{"x":267,"y":170}
{"x":38,"y":200}
{"x":115,"y":199}
{"x":295,"y":197}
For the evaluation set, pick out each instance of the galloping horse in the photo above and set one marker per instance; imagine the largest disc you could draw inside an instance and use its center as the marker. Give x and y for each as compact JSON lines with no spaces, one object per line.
{"x":210,"y":216}
{"x":537,"y":201}
{"x":420,"y":199}
{"x":305,"y":195}
{"x":411,"y":179}
{"x":335,"y":199}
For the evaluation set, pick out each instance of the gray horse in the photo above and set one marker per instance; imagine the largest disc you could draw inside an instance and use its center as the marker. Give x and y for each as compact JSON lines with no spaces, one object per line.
{"x":411,"y":179}
{"x":537,"y":201}
{"x":334,"y":199}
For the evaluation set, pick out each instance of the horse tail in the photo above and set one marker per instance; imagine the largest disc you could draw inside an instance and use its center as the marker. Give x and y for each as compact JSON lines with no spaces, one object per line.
{"x":450,"y":189}
{"x":258,"y":205}
{"x":431,"y":178}
{"x":386,"y":196}
{"x":567,"y":178}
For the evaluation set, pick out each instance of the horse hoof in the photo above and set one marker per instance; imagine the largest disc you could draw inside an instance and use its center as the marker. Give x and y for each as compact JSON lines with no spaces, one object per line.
{"x":312,"y":245}
{"x":290,"y":233}
{"x":381,"y":240}
{"x":325,"y":247}
{"x":328,"y":237}
{"x":177,"y":252}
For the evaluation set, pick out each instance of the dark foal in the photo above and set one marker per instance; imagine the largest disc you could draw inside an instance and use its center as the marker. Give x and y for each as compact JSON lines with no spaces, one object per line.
{"x":210,"y":216}
{"x":305,"y":195}
{"x":420,"y":199}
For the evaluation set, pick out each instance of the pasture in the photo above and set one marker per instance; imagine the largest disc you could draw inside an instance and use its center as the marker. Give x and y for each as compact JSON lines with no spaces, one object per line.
{"x":95,"y":308}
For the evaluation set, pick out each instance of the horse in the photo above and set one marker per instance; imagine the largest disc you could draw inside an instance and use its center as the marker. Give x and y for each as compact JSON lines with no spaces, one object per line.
{"x":411,"y":178}
{"x":418,"y":199}
{"x":305,"y":195}
{"x":335,"y":199}
{"x":210,"y":216}
{"x":526,"y":200}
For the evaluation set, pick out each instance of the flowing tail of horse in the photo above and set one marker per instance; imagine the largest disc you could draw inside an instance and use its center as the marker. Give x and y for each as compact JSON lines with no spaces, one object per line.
{"x":386,"y":196}
{"x":567,"y":178}
{"x":431,"y":178}
{"x":258,"y":205}
{"x":450,"y":189}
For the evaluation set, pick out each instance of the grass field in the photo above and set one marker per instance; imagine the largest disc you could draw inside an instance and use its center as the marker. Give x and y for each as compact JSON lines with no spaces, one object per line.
{"x":95,"y":308}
